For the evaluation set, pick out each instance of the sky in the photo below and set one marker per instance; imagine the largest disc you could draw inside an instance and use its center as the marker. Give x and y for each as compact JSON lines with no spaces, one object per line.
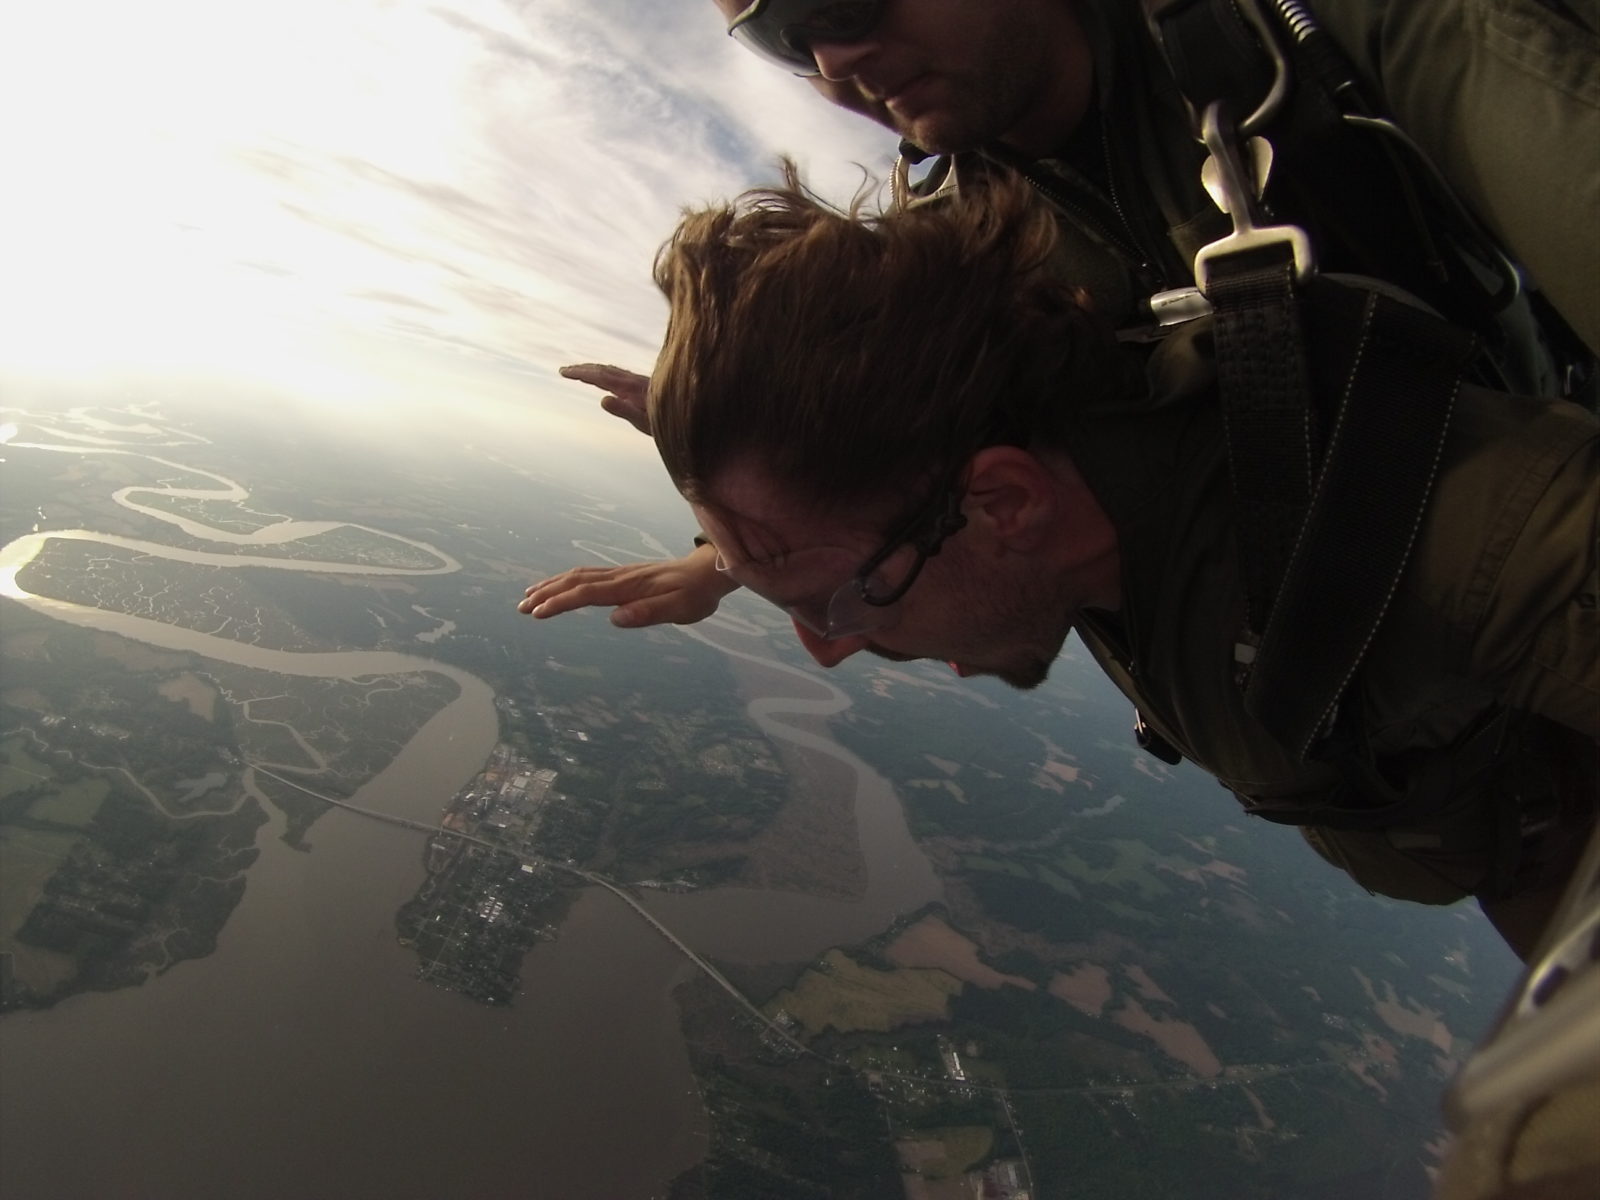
{"x":372,"y":201}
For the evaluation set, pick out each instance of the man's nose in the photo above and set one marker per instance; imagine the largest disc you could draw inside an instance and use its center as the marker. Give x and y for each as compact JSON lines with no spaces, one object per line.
{"x":828,"y":653}
{"x":839,"y":61}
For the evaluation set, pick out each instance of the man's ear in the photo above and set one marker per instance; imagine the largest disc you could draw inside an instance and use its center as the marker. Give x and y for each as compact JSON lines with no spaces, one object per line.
{"x":1013,"y":495}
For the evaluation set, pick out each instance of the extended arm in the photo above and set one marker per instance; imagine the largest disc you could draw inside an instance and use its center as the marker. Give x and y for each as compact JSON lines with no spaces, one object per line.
{"x":679,"y":591}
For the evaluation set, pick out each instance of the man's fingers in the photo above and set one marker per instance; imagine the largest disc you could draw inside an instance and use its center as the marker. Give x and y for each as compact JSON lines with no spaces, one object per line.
{"x":650,"y":593}
{"x":584,"y":587}
{"x":604,"y":375}
{"x":573,"y":576}
{"x":631,"y":616}
{"x":629,"y":390}
{"x":554,"y":603}
{"x":631,"y":411}
{"x":667,"y":608}
{"x":593,"y":373}
{"x":544,"y":599}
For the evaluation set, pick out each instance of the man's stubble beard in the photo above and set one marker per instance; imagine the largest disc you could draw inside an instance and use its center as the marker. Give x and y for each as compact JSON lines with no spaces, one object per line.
{"x":1028,"y":677}
{"x":1036,"y":617}
{"x":982,"y":106}
{"x":1025,"y":676}
{"x":976,"y":113}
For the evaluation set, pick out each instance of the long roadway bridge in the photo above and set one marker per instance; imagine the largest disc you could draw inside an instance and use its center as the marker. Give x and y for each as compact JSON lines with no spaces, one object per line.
{"x":610,"y":885}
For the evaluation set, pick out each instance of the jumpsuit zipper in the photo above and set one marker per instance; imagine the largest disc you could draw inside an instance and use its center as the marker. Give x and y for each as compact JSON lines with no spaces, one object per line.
{"x":1050,"y":188}
{"x":1150,"y":262}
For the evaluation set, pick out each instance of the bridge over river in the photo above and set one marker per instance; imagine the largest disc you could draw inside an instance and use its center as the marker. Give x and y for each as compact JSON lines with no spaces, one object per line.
{"x":615,"y":888}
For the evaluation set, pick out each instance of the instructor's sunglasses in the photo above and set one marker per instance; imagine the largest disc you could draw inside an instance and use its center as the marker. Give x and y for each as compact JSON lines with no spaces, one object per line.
{"x":781,"y":31}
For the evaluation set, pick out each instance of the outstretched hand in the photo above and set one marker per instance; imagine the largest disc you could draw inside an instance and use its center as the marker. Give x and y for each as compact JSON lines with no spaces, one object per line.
{"x":679,"y":591}
{"x":628,"y":392}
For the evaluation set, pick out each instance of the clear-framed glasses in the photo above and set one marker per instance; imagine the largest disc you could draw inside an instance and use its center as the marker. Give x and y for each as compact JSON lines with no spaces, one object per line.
{"x":781,"y":31}
{"x":868,"y":600}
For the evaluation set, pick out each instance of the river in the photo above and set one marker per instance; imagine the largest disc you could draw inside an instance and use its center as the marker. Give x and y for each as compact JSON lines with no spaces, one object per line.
{"x":303,"y":1056}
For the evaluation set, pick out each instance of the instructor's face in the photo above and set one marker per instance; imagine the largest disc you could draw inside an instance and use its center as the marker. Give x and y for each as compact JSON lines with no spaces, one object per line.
{"x":953,"y":75}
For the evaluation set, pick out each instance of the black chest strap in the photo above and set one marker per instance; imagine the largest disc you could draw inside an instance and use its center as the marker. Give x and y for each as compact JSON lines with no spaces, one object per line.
{"x":1336,"y":410}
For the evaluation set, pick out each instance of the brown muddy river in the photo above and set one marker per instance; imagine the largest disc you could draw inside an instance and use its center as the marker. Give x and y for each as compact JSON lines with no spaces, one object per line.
{"x":304,"y":1058}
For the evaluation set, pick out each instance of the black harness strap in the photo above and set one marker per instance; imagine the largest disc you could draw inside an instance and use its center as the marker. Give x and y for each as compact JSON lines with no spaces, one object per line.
{"x":1389,"y":419}
{"x":1267,"y":413}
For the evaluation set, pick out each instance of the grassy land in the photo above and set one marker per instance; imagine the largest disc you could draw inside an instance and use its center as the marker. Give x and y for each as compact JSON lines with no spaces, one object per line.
{"x":64,"y":804}
{"x":1124,"y":864}
{"x":28,"y":858}
{"x":75,"y":804}
{"x":19,"y":770}
{"x":847,"y":997}
{"x":959,"y":1149}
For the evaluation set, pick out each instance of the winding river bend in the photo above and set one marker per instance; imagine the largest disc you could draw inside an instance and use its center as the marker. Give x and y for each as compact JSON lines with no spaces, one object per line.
{"x":304,"y":1056}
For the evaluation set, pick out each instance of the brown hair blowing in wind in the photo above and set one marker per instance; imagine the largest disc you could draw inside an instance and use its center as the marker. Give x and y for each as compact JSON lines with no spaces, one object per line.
{"x":859,"y":354}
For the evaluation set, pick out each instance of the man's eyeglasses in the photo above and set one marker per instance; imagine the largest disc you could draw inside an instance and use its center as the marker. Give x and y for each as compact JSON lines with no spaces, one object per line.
{"x":781,"y":31}
{"x":868,"y":599}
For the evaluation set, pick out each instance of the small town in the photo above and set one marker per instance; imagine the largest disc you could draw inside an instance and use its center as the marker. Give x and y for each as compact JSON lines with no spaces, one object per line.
{"x":477,"y":914}
{"x":503,"y":804}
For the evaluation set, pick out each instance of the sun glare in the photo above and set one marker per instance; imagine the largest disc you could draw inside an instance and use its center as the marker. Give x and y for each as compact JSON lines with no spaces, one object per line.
{"x":163,"y":204}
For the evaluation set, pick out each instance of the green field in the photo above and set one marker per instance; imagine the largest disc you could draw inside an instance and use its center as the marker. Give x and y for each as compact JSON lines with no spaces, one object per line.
{"x":845,"y":996}
{"x":1117,"y":863}
{"x":19,"y":770}
{"x":74,"y":804}
{"x":29,"y":857}
{"x":963,"y":1147}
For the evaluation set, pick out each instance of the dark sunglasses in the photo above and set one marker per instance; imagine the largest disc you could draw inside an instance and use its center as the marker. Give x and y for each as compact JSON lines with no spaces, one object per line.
{"x":781,"y":31}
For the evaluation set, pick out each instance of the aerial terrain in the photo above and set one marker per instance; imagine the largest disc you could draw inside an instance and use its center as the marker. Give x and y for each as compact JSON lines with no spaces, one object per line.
{"x":318,"y":863}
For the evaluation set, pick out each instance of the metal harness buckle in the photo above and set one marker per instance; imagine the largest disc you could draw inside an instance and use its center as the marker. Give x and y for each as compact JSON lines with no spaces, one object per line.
{"x":1235,"y":192}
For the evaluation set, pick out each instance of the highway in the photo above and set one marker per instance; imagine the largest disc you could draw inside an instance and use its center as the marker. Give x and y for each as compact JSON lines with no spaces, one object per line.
{"x":711,"y":971}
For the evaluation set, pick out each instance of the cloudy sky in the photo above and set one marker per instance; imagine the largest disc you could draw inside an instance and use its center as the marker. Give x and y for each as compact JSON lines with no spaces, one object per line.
{"x":353,"y":197}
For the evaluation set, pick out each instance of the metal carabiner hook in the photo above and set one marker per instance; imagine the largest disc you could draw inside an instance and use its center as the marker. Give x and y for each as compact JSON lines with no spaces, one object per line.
{"x":1279,"y":91}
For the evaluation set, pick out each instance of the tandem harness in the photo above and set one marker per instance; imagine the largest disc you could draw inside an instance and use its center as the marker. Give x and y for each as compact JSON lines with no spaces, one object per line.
{"x":1336,"y":402}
